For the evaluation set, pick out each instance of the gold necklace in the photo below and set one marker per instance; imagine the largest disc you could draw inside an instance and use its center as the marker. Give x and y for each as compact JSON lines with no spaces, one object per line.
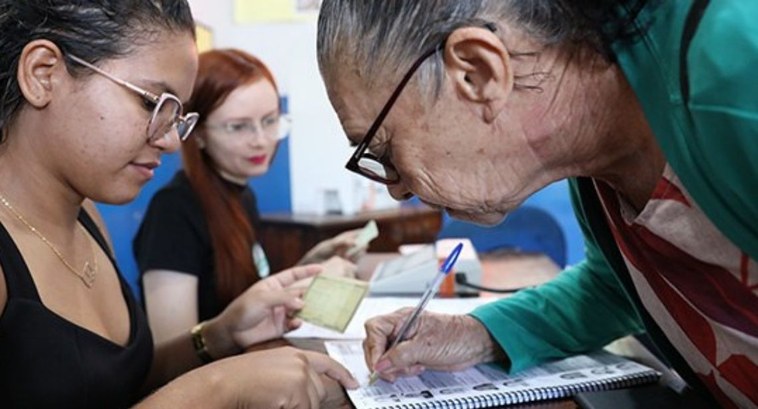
{"x":89,"y":271}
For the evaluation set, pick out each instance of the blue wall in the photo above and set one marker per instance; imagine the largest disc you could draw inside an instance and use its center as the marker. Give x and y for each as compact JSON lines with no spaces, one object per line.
{"x":273,"y":189}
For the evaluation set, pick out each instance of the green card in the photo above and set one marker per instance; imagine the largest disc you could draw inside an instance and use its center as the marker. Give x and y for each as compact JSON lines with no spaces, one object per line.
{"x":331,"y":301}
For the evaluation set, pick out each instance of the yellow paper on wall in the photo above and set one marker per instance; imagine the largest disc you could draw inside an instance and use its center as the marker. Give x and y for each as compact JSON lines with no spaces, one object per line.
{"x":204,"y":38}
{"x":263,"y":11}
{"x":331,"y":302}
{"x":275,"y":11}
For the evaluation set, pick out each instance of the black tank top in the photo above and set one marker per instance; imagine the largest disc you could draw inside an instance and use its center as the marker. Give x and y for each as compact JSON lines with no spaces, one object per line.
{"x":49,"y":362}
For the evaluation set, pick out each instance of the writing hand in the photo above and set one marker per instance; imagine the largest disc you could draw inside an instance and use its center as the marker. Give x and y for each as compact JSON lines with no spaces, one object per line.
{"x":437,"y":341}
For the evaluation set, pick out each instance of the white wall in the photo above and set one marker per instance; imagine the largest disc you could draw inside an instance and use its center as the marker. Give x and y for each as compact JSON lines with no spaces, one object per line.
{"x":318,"y":147}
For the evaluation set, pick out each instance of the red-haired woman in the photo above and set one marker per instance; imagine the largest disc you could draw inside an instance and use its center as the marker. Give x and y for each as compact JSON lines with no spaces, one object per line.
{"x":196,"y":248}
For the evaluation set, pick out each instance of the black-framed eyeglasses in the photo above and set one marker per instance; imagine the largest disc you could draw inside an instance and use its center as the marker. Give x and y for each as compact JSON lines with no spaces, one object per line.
{"x":167,"y":108}
{"x":380,"y":169}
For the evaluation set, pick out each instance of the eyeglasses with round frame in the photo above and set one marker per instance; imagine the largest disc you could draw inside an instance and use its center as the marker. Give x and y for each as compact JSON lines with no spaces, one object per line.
{"x":380,"y":169}
{"x":167,"y":108}
{"x":274,"y":127}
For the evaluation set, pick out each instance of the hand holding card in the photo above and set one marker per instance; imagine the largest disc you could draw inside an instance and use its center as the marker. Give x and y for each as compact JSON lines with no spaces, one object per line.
{"x":331,"y":302}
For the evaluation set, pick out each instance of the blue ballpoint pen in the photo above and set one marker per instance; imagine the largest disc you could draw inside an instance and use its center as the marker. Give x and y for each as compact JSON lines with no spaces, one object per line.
{"x":428,"y":294}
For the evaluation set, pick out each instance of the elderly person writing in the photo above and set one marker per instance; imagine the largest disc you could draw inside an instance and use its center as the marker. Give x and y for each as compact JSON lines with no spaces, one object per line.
{"x":477,"y":104}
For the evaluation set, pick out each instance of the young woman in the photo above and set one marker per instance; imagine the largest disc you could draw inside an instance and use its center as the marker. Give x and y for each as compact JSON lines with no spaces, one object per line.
{"x":197,"y":248}
{"x":91,"y":99}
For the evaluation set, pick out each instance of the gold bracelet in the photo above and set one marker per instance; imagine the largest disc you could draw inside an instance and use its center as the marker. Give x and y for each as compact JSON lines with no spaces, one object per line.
{"x":198,"y":341}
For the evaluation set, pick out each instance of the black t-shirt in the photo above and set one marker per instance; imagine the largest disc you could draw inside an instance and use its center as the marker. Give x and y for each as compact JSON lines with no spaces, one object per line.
{"x":47,"y":361}
{"x":174,"y":235}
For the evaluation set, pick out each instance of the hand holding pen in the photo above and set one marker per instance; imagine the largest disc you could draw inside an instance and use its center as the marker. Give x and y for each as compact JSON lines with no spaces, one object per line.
{"x":445,"y":268}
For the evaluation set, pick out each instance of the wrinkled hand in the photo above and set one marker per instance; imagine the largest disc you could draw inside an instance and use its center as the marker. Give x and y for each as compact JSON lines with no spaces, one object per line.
{"x":265,"y":310}
{"x":342,"y":245}
{"x":280,"y":378}
{"x":437,"y":341}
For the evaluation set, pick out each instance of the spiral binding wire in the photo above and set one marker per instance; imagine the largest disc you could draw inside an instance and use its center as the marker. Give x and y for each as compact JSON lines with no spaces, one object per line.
{"x":533,"y":394}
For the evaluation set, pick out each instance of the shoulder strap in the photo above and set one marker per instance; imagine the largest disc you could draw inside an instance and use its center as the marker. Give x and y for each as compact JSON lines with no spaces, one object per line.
{"x":89,"y":224}
{"x":690,"y":27}
{"x":18,"y":279}
{"x":595,"y":215}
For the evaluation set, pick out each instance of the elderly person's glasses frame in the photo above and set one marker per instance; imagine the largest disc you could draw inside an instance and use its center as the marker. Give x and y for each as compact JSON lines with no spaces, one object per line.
{"x":167,"y":108}
{"x":380,"y":169}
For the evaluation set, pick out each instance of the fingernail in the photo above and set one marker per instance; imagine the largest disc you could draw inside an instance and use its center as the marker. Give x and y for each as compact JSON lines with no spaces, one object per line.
{"x":382,"y":365}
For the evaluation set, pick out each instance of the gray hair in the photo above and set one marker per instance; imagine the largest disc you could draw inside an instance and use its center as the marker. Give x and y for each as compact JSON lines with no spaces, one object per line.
{"x":90,"y":29}
{"x":361,"y":33}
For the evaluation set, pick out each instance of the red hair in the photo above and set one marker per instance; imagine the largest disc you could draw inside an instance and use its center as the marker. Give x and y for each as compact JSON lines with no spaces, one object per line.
{"x":232,"y":235}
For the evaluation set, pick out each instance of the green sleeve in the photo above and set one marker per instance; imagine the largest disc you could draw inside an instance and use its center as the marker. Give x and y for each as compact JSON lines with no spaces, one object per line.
{"x":582,"y":309}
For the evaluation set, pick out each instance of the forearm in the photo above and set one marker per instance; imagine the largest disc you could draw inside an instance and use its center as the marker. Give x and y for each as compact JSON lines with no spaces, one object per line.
{"x":170,"y":360}
{"x":578,"y":311}
{"x":202,"y":388}
{"x":481,"y":345}
{"x":177,"y":356}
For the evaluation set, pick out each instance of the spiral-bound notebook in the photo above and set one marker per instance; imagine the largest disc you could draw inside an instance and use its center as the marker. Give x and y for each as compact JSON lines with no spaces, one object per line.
{"x":488,"y":385}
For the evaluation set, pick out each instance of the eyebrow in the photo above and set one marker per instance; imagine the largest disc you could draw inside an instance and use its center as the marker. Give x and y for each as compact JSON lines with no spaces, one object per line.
{"x":162,"y":86}
{"x":246,"y":117}
{"x":272,"y":112}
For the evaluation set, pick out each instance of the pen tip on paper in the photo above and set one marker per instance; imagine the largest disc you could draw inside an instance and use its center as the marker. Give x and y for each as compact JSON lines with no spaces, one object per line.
{"x":373,"y":378}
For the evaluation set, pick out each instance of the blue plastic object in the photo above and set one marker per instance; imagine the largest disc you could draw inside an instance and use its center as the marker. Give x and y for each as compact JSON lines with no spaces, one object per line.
{"x":527,"y":229}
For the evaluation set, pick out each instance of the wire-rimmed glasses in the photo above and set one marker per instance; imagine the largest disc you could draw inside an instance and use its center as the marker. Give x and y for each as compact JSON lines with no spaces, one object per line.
{"x":273,"y":127}
{"x":167,"y":108}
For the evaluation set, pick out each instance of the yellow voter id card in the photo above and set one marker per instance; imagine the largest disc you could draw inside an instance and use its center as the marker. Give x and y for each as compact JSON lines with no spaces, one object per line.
{"x":331,"y":301}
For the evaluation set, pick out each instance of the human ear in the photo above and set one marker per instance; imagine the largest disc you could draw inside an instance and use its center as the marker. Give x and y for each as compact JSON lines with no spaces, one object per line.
{"x":37,"y":66}
{"x":480,"y":68}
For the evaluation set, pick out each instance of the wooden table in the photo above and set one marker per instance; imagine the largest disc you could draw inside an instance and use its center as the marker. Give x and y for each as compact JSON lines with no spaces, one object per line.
{"x":287,"y":237}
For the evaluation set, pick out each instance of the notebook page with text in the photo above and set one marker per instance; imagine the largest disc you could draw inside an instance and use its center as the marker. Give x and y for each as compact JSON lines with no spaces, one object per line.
{"x":489,"y":385}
